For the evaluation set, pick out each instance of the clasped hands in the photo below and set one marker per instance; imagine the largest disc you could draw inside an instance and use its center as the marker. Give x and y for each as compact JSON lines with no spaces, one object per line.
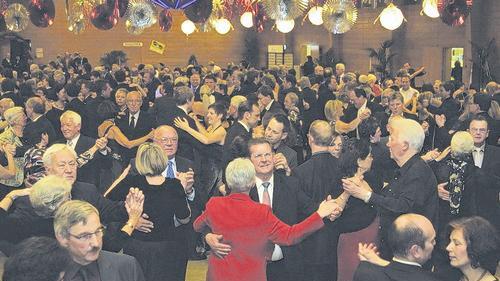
{"x":357,"y":187}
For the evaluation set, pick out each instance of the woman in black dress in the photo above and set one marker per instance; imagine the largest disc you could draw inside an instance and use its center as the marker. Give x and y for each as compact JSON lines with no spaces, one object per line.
{"x":213,"y":137}
{"x":162,"y":252}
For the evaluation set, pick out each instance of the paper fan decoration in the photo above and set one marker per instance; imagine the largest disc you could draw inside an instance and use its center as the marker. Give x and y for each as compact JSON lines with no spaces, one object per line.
{"x":141,"y":14}
{"x":16,"y":17}
{"x":339,"y":16}
{"x":284,"y":9}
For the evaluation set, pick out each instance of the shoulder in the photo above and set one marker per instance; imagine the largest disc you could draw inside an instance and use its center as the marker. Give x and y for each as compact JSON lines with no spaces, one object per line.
{"x":183,"y":164}
{"x":367,"y":271}
{"x":117,"y":258}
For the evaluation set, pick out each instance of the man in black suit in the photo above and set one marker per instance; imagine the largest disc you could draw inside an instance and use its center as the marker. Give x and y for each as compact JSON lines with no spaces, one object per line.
{"x":78,"y":228}
{"x":151,"y":83}
{"x":288,"y":202}
{"x":487,"y":158}
{"x":412,"y":238}
{"x":184,"y":99}
{"x":396,"y":107}
{"x":319,"y":178}
{"x":8,"y":87}
{"x":85,"y":147}
{"x":194,"y":84}
{"x":38,"y":124}
{"x":240,"y":132}
{"x":134,"y":124}
{"x":268,"y":107}
{"x":359,"y":107}
{"x":413,"y":188}
{"x":276,"y":133}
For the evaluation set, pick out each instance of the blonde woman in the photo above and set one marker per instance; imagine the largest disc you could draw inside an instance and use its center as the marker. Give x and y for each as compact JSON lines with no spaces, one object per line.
{"x":334,"y":109}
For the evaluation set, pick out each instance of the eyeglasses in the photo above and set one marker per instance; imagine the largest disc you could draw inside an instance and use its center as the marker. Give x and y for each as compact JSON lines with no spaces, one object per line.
{"x":85,"y":237}
{"x":167,"y":140}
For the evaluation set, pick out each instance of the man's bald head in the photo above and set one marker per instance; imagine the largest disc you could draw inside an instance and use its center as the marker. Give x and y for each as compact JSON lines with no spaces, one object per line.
{"x":320,"y":133}
{"x":166,"y":137}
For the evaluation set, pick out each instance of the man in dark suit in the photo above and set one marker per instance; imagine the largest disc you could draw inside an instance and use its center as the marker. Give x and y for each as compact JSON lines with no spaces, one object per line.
{"x":318,"y":178}
{"x":268,"y":107}
{"x":184,"y":99}
{"x":194,"y":84}
{"x":240,"y":132}
{"x":84,"y":146}
{"x":38,"y":124}
{"x":276,"y":133}
{"x":358,"y":107}
{"x":134,"y":124}
{"x":396,"y":107}
{"x":78,"y":228}
{"x":412,"y":237}
{"x":413,"y":188}
{"x":8,"y":87}
{"x":487,"y":158}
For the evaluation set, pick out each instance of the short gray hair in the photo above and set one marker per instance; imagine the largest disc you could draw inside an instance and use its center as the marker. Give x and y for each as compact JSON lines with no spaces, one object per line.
{"x":240,"y":175}
{"x":321,"y":132}
{"x":48,"y":194}
{"x":410,"y":131}
{"x":182,"y":95}
{"x":71,"y":115}
{"x":12,"y":114}
{"x":72,"y":213}
{"x":52,"y":150}
{"x":304,"y":82}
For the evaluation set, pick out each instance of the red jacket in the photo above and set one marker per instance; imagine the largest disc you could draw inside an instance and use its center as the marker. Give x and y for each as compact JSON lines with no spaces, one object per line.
{"x":251,"y":229}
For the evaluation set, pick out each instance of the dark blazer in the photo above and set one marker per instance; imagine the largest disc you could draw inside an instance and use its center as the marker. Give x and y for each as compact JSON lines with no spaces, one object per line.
{"x":143,"y":126}
{"x":290,"y":204}
{"x":229,"y":151}
{"x":266,"y":115}
{"x":34,"y":130}
{"x":351,"y":111}
{"x":16,"y":98}
{"x":119,"y":267}
{"x":487,"y":196}
{"x":413,"y":190}
{"x":188,"y":145}
{"x":290,"y":155}
{"x":319,"y":177}
{"x":395,"y":271}
{"x":161,"y":106}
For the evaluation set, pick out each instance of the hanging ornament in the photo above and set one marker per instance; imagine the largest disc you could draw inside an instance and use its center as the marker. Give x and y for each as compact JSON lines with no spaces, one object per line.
{"x":285,"y":26}
{"x":141,"y":14}
{"x":430,"y":8}
{"x":104,"y":17}
{"x":16,"y":17}
{"x":122,"y":6}
{"x":391,"y":17}
{"x":42,"y":12}
{"x":77,"y":24}
{"x":454,"y":12}
{"x":165,"y":20}
{"x":339,"y":16}
{"x":260,"y":17}
{"x":200,"y":11}
{"x":174,"y":4}
{"x":315,"y":15}
{"x":284,"y":9}
{"x":222,"y":26}
{"x":188,"y":27}
{"x":246,"y":19}
{"x":131,"y":29}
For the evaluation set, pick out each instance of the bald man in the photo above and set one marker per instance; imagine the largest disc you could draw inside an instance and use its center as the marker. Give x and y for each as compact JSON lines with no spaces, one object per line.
{"x":412,"y":238}
{"x":319,"y":177}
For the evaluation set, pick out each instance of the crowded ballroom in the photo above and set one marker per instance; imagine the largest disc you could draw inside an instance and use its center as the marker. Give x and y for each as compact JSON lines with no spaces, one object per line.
{"x":249,"y":140}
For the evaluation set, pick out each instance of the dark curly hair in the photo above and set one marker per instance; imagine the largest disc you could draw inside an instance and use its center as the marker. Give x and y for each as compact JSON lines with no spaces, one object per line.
{"x":482,"y":241}
{"x":354,"y":150}
{"x":37,"y":259}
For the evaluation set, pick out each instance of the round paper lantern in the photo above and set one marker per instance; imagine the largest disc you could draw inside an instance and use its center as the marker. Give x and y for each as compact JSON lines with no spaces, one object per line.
{"x":391,"y":17}
{"x":315,"y":15}
{"x":285,"y":26}
{"x":222,"y":26}
{"x":430,"y":8}
{"x":188,"y":27}
{"x":246,"y":19}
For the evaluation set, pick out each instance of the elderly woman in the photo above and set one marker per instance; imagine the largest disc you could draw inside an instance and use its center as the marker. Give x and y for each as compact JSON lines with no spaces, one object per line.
{"x":249,"y":227}
{"x":45,"y":197}
{"x":13,"y":134}
{"x":161,"y":252}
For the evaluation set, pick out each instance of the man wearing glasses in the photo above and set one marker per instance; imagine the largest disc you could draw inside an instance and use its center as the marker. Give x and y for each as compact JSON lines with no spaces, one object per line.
{"x":78,"y":229}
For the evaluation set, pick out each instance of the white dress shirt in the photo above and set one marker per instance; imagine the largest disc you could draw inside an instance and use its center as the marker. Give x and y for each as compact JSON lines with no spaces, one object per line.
{"x":478,"y":155}
{"x":136,"y":116}
{"x":72,"y":142}
{"x":406,"y":262}
{"x":277,"y":253}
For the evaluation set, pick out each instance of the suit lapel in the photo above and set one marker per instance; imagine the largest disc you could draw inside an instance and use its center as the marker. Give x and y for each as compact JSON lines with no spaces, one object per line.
{"x":276,"y":192}
{"x":254,"y":194}
{"x":105,"y":268}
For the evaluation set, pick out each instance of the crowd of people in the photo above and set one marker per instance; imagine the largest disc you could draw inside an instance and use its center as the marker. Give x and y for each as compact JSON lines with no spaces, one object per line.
{"x":126,"y":173}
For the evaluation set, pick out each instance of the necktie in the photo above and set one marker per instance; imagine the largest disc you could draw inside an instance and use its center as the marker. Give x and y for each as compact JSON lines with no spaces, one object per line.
{"x":70,"y":143}
{"x":132,"y":121}
{"x":170,"y":170}
{"x":83,"y":274}
{"x":266,"y":199}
